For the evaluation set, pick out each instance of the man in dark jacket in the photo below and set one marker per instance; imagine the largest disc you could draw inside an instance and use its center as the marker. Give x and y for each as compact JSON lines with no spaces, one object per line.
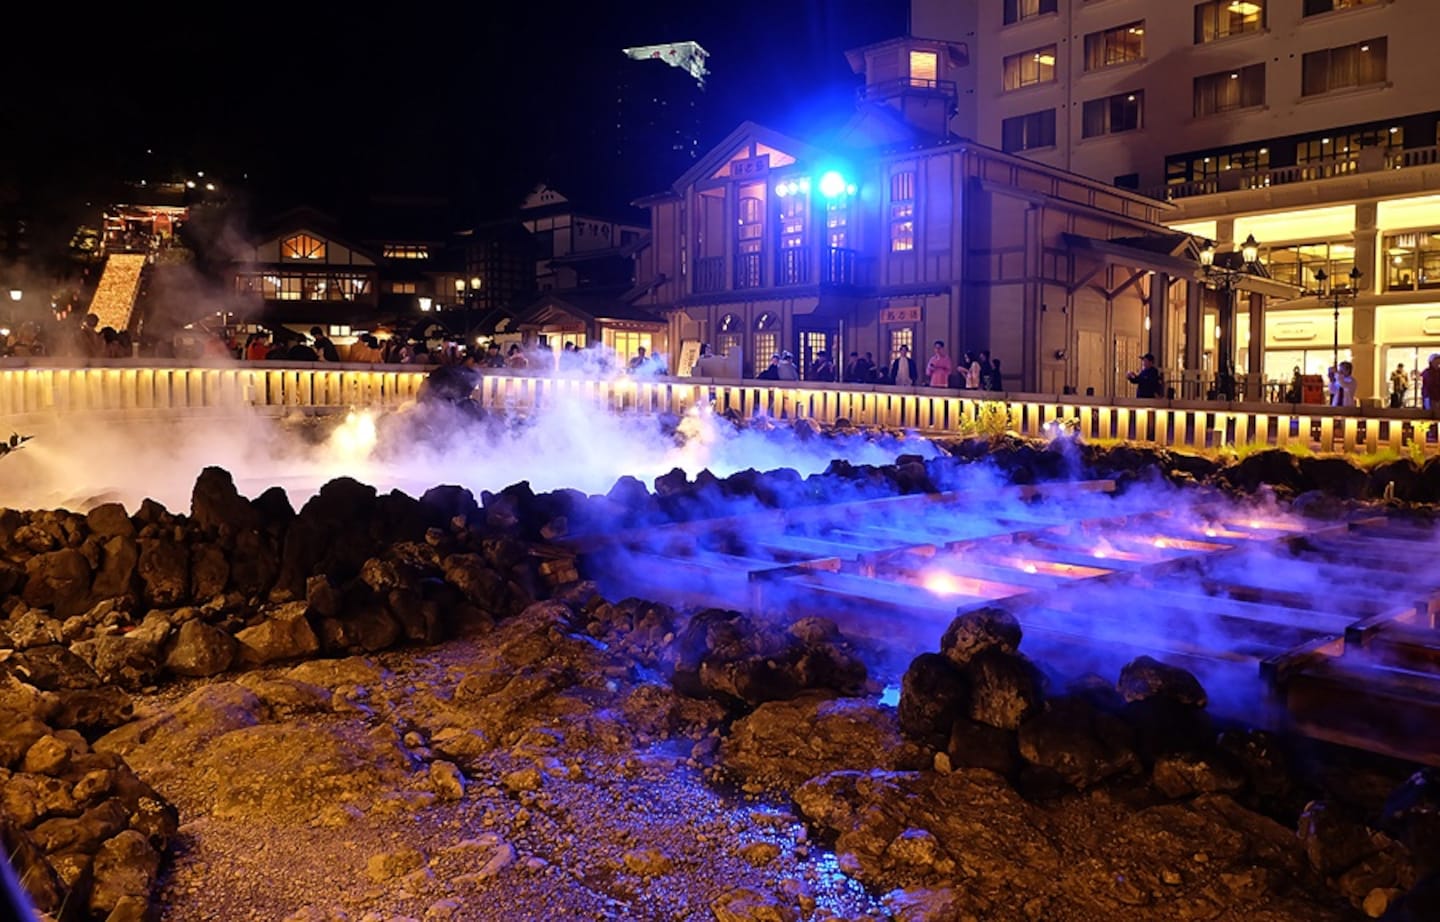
{"x":1147,"y":379}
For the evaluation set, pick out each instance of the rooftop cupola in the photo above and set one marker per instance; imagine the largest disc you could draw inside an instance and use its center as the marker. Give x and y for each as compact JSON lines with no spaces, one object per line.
{"x":914,"y":76}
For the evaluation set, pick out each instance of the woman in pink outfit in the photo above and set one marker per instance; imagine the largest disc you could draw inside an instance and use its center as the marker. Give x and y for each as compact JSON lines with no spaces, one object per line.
{"x":937,"y":370}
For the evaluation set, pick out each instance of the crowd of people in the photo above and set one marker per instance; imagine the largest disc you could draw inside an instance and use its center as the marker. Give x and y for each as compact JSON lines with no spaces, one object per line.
{"x":82,"y":338}
{"x":975,"y":371}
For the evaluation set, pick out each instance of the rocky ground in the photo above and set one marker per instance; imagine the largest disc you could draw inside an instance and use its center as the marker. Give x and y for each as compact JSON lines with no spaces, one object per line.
{"x":388,"y":708}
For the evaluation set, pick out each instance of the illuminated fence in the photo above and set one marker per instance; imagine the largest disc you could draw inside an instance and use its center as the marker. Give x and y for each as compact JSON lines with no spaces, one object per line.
{"x":33,"y":393}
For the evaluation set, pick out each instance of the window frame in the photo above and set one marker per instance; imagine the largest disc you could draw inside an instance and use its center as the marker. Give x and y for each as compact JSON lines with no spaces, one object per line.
{"x":1112,"y":47}
{"x":1137,"y":97}
{"x":1311,"y":63}
{"x":1216,"y":10}
{"x":1222,"y":79}
{"x":1023,"y":123}
{"x":1308,"y":8}
{"x":902,"y":211}
{"x":1019,"y":61}
{"x":1017,"y":11}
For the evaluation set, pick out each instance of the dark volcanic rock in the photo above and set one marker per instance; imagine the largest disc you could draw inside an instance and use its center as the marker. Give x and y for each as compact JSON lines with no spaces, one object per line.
{"x":1005,"y":688}
{"x":1400,"y":477}
{"x":1333,"y":839}
{"x":58,"y":580}
{"x":982,"y":629}
{"x":1263,"y":760}
{"x":110,"y":520}
{"x":164,"y":569}
{"x":977,"y":745}
{"x":788,"y":742}
{"x":125,"y":869}
{"x":333,"y":535}
{"x":217,"y":507}
{"x":51,"y":667}
{"x":115,"y":577}
{"x":1080,"y":744}
{"x":209,"y":571}
{"x":1185,"y":774}
{"x":91,"y":710}
{"x":200,"y":649}
{"x":1411,"y":814}
{"x":1336,"y":476}
{"x":933,"y":694}
{"x":1274,"y":466}
{"x":1165,"y":725}
{"x":724,"y":655}
{"x":1145,"y":678}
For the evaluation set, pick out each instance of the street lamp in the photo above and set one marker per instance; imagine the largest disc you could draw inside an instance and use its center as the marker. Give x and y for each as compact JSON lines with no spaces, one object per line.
{"x":1226,"y":278}
{"x":465,"y":293}
{"x":1337,"y":297}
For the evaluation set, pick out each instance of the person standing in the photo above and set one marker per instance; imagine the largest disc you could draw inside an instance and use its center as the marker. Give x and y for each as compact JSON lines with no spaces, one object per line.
{"x":902,"y":369}
{"x":1147,"y":379}
{"x":1399,"y":384}
{"x":821,"y":368}
{"x":937,"y":370}
{"x":1346,"y":385}
{"x":973,"y":370}
{"x":324,"y":347}
{"x":1430,"y":382}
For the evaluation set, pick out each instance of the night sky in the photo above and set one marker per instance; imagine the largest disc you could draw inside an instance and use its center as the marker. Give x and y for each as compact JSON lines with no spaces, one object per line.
{"x":320,"y":102}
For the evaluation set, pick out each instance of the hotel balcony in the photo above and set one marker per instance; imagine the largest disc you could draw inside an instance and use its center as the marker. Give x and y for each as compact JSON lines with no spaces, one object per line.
{"x":1359,"y":162}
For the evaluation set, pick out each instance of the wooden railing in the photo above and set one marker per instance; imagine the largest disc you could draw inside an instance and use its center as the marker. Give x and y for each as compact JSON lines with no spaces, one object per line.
{"x":33,"y":393}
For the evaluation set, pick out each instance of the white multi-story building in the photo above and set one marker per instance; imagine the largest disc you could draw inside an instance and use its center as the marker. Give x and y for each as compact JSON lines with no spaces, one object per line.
{"x":1309,"y":124}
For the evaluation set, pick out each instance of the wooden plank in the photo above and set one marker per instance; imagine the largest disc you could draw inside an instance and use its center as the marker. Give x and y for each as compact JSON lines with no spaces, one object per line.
{"x":837,"y":514}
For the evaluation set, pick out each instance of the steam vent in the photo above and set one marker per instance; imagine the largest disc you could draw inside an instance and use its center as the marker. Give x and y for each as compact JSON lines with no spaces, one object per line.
{"x":692,"y":666}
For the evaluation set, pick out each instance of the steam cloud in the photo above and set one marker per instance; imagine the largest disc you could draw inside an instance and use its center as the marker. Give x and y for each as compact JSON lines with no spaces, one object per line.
{"x":80,"y":462}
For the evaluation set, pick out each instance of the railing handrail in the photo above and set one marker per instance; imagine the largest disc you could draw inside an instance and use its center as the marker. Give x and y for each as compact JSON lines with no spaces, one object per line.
{"x":1241,"y":180}
{"x":34,"y":392}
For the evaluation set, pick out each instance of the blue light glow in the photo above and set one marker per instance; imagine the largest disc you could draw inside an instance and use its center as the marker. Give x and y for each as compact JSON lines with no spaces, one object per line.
{"x":832,"y":184}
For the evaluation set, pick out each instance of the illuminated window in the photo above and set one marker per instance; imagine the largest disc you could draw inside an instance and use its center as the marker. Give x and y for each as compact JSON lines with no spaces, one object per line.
{"x":398,"y":251}
{"x":1298,"y":263}
{"x":1030,"y":67}
{"x":732,"y":334}
{"x":1018,"y":10}
{"x":1028,"y":132}
{"x":794,"y":266}
{"x":750,"y":235}
{"x":1229,"y":90}
{"x":1412,"y":260}
{"x":924,"y":67}
{"x":1114,"y":114}
{"x":1345,"y":67}
{"x":1253,"y":162}
{"x":1119,"y":45}
{"x":1316,"y":7}
{"x":767,"y":338}
{"x":627,"y":344}
{"x":1217,"y":19}
{"x":402,"y":288}
{"x":902,"y":211}
{"x":302,"y":246}
{"x":901,"y":336}
{"x":812,"y":342}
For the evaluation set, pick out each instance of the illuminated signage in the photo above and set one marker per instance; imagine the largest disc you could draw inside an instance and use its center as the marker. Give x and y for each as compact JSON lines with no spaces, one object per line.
{"x":753,"y":166}
{"x":900,"y":314}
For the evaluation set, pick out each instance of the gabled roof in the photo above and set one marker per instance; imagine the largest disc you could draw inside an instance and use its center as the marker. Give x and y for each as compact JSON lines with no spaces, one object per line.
{"x":876,"y":125}
{"x":552,"y":306}
{"x":737,"y":140}
{"x":315,"y":221}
